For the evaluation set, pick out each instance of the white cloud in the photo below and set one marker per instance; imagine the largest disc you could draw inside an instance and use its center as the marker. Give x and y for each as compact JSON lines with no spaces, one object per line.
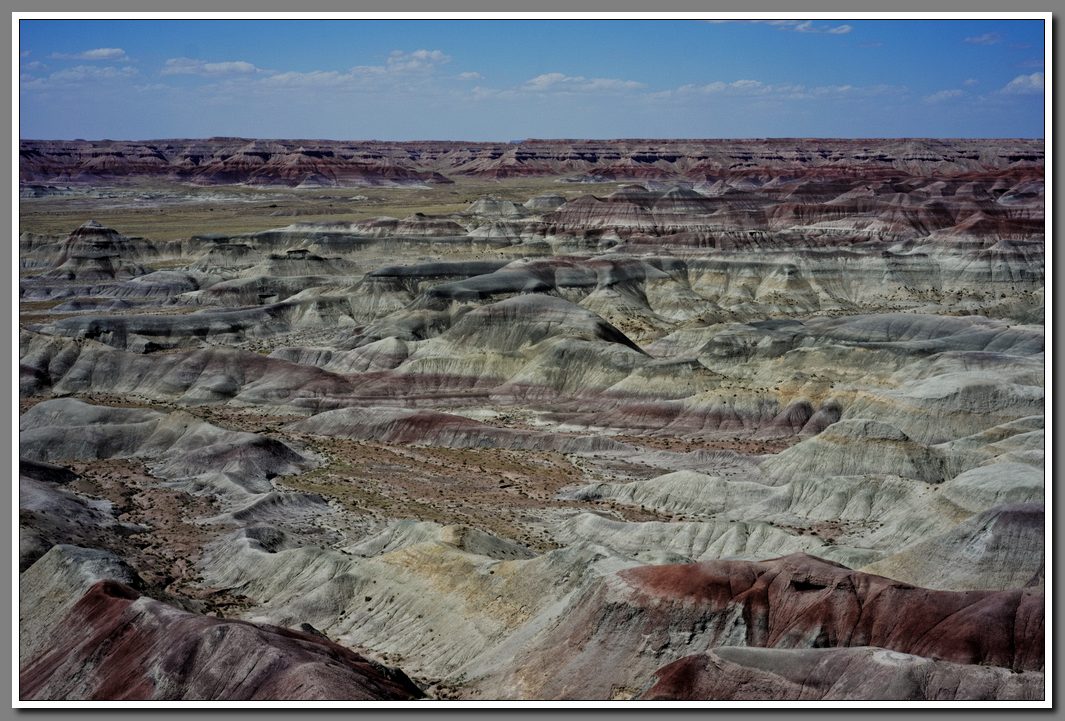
{"x":798,"y":26}
{"x":943,"y":95}
{"x":77,"y":75}
{"x":417,"y":61}
{"x":809,"y":27}
{"x":154,"y":88}
{"x":32,"y":65}
{"x":315,"y":78}
{"x":399,"y":64}
{"x":560,"y":82}
{"x":470,"y":76}
{"x":24,"y":53}
{"x":104,"y":54}
{"x":789,"y":91}
{"x":94,"y":54}
{"x":715,"y":87}
{"x":92,"y":72}
{"x":1025,"y":85}
{"x":969,"y":82}
{"x":985,"y":39}
{"x":547,"y":80}
{"x":190,"y":66}
{"x":836,"y":90}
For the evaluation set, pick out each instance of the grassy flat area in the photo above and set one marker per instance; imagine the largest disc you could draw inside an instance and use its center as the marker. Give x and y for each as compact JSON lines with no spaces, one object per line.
{"x":170,"y":211}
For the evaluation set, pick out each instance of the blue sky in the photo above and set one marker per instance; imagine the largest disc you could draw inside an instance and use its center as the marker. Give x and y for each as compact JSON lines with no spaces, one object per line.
{"x":512,"y":79}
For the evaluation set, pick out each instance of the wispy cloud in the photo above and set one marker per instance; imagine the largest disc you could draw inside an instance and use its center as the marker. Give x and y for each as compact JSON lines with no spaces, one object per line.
{"x":399,"y":64}
{"x":985,"y":39}
{"x":943,"y":96}
{"x":798,"y":26}
{"x":970,"y":82}
{"x":809,"y":27}
{"x":111,"y":54}
{"x":314,"y":78}
{"x":24,"y":53}
{"x":191,"y":66}
{"x":788,"y":91}
{"x":93,"y":72}
{"x":79,"y":75}
{"x":1025,"y":85}
{"x":417,"y":61}
{"x":562,"y":83}
{"x":470,"y":76}
{"x":736,"y":87}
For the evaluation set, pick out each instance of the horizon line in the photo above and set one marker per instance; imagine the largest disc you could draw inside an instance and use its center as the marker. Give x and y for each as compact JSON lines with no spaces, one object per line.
{"x":541,"y":140}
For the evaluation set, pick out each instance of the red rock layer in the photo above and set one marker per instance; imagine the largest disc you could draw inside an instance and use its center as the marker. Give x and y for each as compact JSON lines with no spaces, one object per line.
{"x":117,"y":645}
{"x":835,"y":674}
{"x":800,"y":601}
{"x":631,"y":624}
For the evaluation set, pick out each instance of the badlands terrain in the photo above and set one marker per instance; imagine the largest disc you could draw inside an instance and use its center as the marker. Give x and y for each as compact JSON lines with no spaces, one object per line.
{"x":665,"y":420}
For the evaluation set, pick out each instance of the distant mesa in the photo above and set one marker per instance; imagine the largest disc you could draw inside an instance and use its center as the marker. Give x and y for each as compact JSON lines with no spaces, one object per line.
{"x":314,"y":164}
